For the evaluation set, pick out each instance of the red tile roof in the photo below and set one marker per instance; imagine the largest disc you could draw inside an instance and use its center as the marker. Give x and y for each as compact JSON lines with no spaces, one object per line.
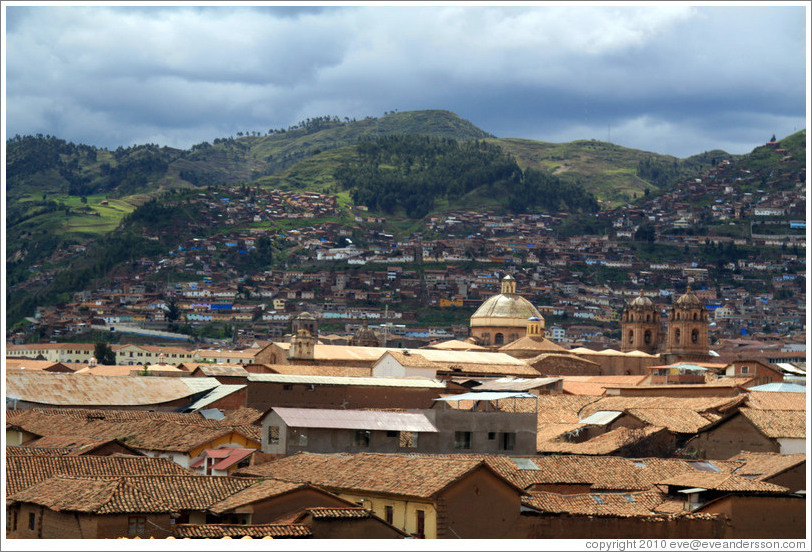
{"x":25,"y":471}
{"x":778,"y":424}
{"x":415,"y":475}
{"x":92,"y":495}
{"x":218,"y":531}
{"x":722,"y":482}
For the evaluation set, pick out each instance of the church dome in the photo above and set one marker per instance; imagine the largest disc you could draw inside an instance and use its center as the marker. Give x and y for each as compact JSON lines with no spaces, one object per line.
{"x":641,"y":302}
{"x":689,"y":301}
{"x":505,"y":309}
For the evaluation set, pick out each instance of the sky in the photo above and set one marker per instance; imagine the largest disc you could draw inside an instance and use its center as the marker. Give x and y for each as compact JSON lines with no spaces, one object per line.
{"x":670,"y":78}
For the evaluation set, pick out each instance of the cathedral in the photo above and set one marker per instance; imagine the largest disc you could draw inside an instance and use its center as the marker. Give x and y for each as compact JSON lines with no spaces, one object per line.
{"x":508,"y":317}
{"x":684,"y":339}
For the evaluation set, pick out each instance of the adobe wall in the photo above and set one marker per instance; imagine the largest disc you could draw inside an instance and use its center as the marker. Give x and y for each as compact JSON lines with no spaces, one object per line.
{"x":618,"y":365}
{"x":729,"y":438}
{"x":478,"y":506}
{"x":271,"y":509}
{"x":762,"y":517}
{"x":232,"y":401}
{"x":49,"y":524}
{"x":265,"y":395}
{"x":564,"y":526}
{"x":357,"y":528}
{"x":560,"y":366}
{"x":697,"y":390}
{"x":794,"y":478}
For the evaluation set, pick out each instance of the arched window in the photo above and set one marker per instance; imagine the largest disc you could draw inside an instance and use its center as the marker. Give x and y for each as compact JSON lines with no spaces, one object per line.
{"x":647,"y":337}
{"x":694,"y":336}
{"x":499,"y":339}
{"x":486,"y":339}
{"x":676,"y":336}
{"x":648,"y":318}
{"x":631,"y":336}
{"x":694,"y":316}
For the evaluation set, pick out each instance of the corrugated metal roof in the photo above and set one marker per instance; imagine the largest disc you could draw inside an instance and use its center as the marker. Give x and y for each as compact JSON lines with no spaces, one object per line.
{"x":215,"y":394}
{"x":71,"y":390}
{"x":601,"y":417}
{"x":781,"y":387}
{"x":338,"y":380}
{"x":355,"y":419}
{"x":487,"y":396}
{"x":514,"y":384}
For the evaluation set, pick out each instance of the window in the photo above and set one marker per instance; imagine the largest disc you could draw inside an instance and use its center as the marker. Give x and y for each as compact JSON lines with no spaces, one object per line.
{"x":694,"y":336}
{"x":408,"y":439}
{"x":362,"y":437}
{"x":462,"y":439}
{"x":391,"y":433}
{"x":136,"y":525}
{"x":287,"y":386}
{"x":508,"y":441}
{"x":389,"y":514}
{"x":491,"y":435}
{"x":647,"y":337}
{"x":631,"y":336}
{"x":499,"y":339}
{"x":745,"y":370}
{"x":32,"y":521}
{"x":273,"y":435}
{"x":421,"y":524}
{"x":676,"y":336}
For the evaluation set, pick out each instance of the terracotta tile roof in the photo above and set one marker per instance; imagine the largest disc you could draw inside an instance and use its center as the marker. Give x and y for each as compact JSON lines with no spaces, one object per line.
{"x":93,"y":495}
{"x":610,"y":473}
{"x":243,"y":416}
{"x":550,"y":434}
{"x":256,"y":491}
{"x":466,"y":368}
{"x":560,"y":409}
{"x":112,"y":415}
{"x":596,"y":385}
{"x":339,"y":513}
{"x":776,"y":400}
{"x":414,"y":475}
{"x":676,"y":420}
{"x":778,"y":424}
{"x":189,"y":492}
{"x":32,"y":451}
{"x":75,"y":445}
{"x":678,"y":414}
{"x":217,"y":531}
{"x":635,"y":504}
{"x":25,"y":471}
{"x":610,"y":442}
{"x":722,"y":482}
{"x":763,"y":465}
{"x":331,"y":371}
{"x":145,"y":433}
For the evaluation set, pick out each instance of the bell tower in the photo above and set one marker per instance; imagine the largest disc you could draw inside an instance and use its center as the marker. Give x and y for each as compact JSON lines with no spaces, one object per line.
{"x":641,"y":326}
{"x":688,"y":329}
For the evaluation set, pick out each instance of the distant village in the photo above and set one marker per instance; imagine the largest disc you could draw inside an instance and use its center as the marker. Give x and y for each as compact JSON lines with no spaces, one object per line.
{"x":580,"y":393}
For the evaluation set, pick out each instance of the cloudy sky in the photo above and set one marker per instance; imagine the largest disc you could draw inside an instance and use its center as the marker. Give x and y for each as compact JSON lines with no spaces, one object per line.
{"x":670,"y":78}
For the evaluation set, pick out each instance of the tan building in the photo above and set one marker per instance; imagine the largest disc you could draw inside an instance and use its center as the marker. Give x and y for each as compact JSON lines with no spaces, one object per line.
{"x":502,"y":319}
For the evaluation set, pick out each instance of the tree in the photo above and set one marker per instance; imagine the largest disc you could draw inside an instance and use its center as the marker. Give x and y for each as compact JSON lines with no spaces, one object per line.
{"x":104,"y":354}
{"x":172,"y":310}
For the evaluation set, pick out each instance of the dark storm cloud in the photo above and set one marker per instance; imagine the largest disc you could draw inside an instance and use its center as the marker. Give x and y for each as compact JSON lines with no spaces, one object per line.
{"x":672,"y":79}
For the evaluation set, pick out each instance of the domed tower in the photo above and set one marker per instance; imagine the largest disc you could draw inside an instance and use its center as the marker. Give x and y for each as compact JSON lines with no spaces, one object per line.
{"x":688,"y":329}
{"x":502,"y":319}
{"x":641,"y":327}
{"x":305,"y":321}
{"x":364,"y":337}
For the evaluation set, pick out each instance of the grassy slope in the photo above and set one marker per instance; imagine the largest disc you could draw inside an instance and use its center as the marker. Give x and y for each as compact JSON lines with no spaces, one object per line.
{"x":607,"y":170}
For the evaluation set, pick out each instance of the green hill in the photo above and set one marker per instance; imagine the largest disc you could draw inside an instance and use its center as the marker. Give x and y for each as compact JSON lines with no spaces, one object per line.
{"x":613,"y":173}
